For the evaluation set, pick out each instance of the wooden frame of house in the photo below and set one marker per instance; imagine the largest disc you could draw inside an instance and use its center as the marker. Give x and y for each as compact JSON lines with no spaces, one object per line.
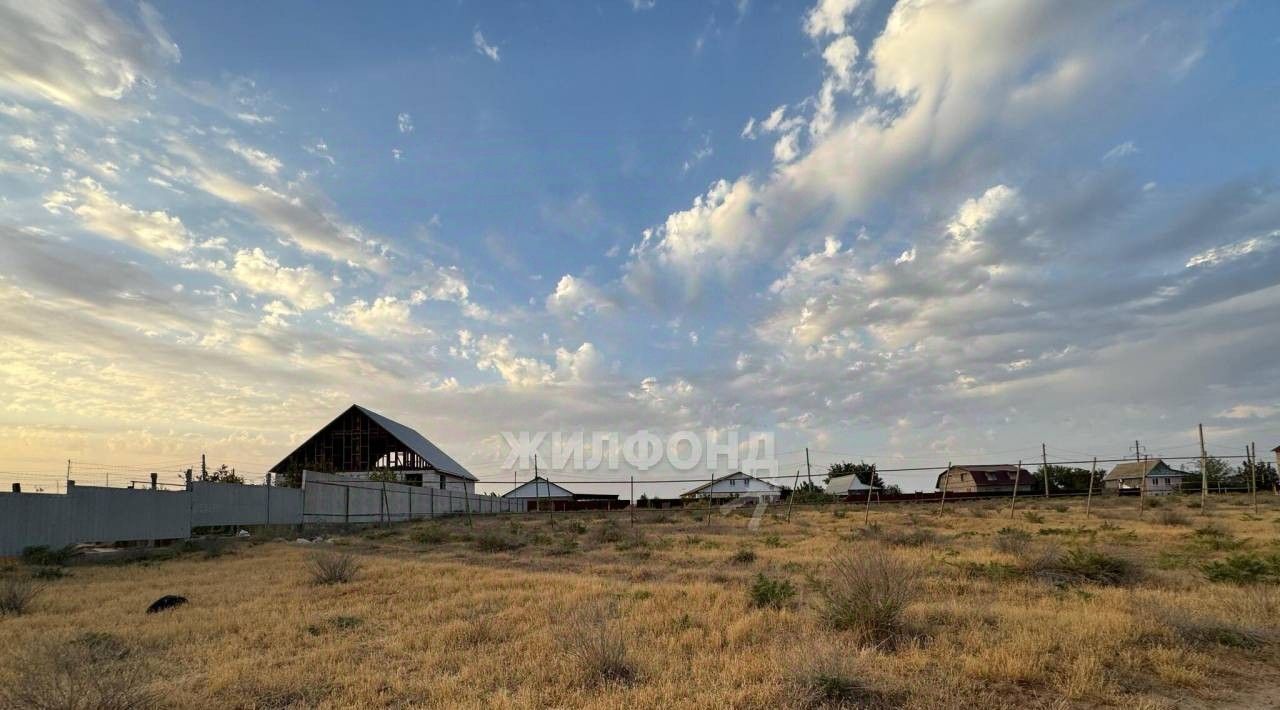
{"x":360,"y":442}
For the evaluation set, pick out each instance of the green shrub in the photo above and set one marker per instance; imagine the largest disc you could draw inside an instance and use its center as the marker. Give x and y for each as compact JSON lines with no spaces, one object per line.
{"x":1171,"y":516}
{"x":430,"y":535}
{"x":1212,"y":537}
{"x":1083,"y":565}
{"x":45,"y":556}
{"x":772,"y":540}
{"x":490,"y":541}
{"x":47,"y":573}
{"x":565,"y":546}
{"x":916,"y":537}
{"x":767,"y":592}
{"x":1035,"y":518}
{"x":744,"y":556}
{"x":1244,"y":568}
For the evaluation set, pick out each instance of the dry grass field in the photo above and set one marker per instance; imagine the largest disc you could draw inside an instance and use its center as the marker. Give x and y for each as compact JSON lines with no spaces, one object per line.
{"x":921,"y":610}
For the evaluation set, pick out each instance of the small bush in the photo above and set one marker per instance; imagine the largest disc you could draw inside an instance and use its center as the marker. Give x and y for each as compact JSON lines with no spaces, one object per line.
{"x":16,"y":595}
{"x":496,"y":542}
{"x":609,"y":532}
{"x":1244,"y":568}
{"x":1171,"y":516}
{"x":917,"y":537}
{"x":745,"y":556}
{"x":92,"y":670}
{"x":45,"y":556}
{"x":565,"y":546}
{"x":1083,"y":565}
{"x":48,"y":573}
{"x":1212,"y":537}
{"x":1221,"y":633}
{"x":866,"y":593}
{"x":1013,"y":541}
{"x":1034,"y":518}
{"x":1061,"y":508}
{"x":577,"y":527}
{"x":772,"y":540}
{"x":333,"y":568}
{"x":430,"y":535}
{"x":767,"y":592}
{"x":599,"y":647}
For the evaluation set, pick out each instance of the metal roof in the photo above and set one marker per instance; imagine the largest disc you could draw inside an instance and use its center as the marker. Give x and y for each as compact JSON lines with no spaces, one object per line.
{"x":840,"y":485}
{"x":1138,"y":469}
{"x":420,"y":445}
{"x":540,"y":488}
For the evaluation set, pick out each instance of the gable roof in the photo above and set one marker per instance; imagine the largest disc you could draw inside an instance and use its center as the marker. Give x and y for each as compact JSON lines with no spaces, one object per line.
{"x":415,"y":442}
{"x":1138,"y":469}
{"x":839,"y":485}
{"x":541,"y":488}
{"x":420,"y":445}
{"x":1001,"y":474}
{"x":726,"y":477}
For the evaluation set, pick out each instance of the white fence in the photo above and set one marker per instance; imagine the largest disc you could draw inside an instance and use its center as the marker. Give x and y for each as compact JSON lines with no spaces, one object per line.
{"x":86,"y":514}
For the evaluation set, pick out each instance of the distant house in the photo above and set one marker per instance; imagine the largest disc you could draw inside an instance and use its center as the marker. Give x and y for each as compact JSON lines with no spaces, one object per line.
{"x":1160,"y":477}
{"x":539,"y":491}
{"x":999,"y":478}
{"x":845,"y":485}
{"x":732,"y":486}
{"x":539,"y":488}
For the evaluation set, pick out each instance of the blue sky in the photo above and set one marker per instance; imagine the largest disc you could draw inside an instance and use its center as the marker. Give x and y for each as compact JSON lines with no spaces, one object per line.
{"x":908,"y":232}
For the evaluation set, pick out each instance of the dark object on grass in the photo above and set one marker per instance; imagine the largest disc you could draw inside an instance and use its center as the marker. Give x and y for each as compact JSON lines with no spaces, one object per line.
{"x":168,"y":601}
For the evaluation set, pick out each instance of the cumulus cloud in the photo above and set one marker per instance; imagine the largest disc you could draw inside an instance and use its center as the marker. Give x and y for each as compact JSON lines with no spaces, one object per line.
{"x":386,"y":316}
{"x":575,"y":297}
{"x":404,"y":123}
{"x":259,"y":272}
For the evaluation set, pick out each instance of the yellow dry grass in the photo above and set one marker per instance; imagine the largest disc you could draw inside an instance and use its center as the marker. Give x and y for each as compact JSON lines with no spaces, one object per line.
{"x":449,"y":624}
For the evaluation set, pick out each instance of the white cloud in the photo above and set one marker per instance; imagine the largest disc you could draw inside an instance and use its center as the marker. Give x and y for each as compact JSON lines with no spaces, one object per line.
{"x":81,"y":56}
{"x":156,"y":231}
{"x":1250,"y":411}
{"x":640,"y":5}
{"x":259,"y":159}
{"x":404,"y":123}
{"x":574,"y":297}
{"x":261,"y":273}
{"x":1124,"y":149}
{"x":483,"y":47}
{"x":386,"y":316}
{"x":829,"y":17}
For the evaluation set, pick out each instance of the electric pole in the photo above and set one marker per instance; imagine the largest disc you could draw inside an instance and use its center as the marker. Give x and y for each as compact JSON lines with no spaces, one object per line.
{"x":808,"y":469}
{"x":1044,"y":469}
{"x":1204,"y":473}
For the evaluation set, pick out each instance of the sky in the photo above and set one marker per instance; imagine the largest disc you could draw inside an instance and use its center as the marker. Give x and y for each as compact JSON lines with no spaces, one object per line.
{"x":905,"y":232}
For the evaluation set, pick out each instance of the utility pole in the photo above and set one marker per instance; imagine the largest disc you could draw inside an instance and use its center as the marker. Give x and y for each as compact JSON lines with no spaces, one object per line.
{"x":807,"y":467}
{"x":1044,"y":469}
{"x":1204,"y":473}
{"x":1093,"y":473}
{"x":1252,"y":456}
{"x":68,"y":469}
{"x":1017,"y":478}
{"x":204,"y":469}
{"x":791,"y":499}
{"x":633,"y":501}
{"x":946,"y":478}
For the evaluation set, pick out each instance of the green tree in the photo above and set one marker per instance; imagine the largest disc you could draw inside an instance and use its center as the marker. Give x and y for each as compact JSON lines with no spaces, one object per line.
{"x":1065,"y":479}
{"x":222,"y":474}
